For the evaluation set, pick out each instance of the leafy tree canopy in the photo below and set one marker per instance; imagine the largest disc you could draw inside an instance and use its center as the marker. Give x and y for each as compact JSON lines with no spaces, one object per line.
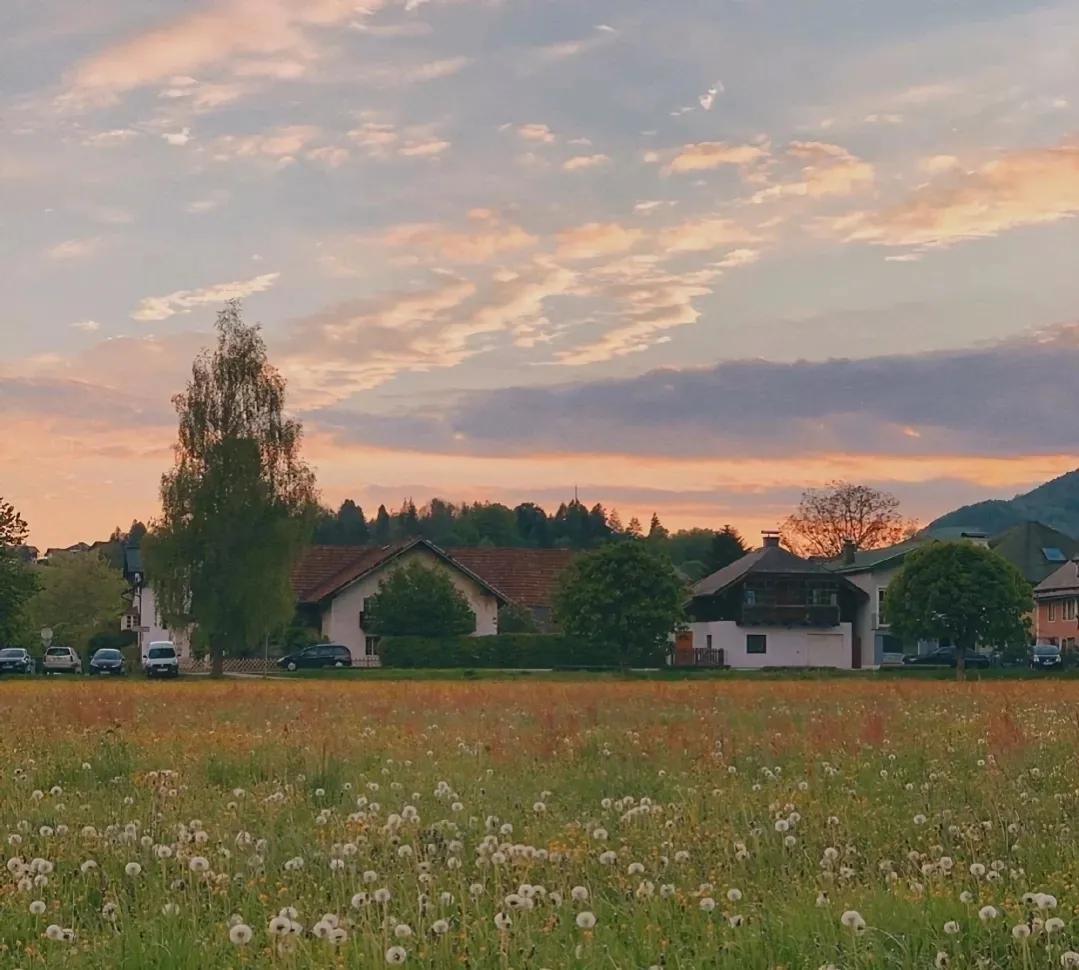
{"x":420,"y":601}
{"x":959,"y":593}
{"x":626,"y":597}
{"x":17,"y":580}
{"x":80,"y":594}
{"x":236,"y":505}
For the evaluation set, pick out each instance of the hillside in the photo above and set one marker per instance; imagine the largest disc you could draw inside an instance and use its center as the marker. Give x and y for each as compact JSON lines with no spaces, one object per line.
{"x":1055,"y":504}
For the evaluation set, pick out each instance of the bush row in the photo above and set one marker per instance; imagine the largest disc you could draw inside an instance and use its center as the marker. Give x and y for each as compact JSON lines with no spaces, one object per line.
{"x":508,"y":650}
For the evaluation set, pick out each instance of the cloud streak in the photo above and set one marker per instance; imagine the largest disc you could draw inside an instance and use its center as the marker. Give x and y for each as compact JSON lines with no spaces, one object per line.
{"x":154,"y":308}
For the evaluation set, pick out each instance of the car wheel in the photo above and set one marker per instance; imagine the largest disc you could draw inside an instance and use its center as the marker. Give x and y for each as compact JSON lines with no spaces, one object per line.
{"x":291,"y":665}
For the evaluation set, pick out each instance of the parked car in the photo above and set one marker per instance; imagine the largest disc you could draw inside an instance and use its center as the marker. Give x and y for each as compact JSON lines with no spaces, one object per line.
{"x":107,"y":662}
{"x":61,"y":660}
{"x":320,"y":655}
{"x":1046,"y":656}
{"x":945,"y":657}
{"x":161,"y":660}
{"x":15,"y":660}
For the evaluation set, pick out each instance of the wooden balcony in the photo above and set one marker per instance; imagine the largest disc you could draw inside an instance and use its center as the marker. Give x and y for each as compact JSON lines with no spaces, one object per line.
{"x":794,"y":614}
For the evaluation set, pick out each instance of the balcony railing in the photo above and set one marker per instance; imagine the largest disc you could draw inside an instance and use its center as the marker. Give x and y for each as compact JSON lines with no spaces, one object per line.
{"x":800,"y":614}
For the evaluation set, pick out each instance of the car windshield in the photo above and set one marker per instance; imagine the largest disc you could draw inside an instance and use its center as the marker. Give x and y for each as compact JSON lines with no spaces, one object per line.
{"x":56,"y":652}
{"x":11,"y":653}
{"x":108,"y":655}
{"x":160,"y":653}
{"x":1046,"y":650}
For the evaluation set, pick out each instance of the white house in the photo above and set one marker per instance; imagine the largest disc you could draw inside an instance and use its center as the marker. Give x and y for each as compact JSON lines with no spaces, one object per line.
{"x":772,"y":608}
{"x":335,"y":584}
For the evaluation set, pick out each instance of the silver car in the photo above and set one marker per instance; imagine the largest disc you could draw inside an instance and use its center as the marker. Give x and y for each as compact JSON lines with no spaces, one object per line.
{"x":61,"y":660}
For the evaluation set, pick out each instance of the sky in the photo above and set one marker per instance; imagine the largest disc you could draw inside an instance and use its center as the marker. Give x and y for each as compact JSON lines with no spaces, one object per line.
{"x":689,"y":257}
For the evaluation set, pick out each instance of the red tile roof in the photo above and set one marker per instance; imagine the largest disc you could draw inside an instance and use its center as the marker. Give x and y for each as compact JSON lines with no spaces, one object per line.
{"x":526,"y":576}
{"x":529,"y":577}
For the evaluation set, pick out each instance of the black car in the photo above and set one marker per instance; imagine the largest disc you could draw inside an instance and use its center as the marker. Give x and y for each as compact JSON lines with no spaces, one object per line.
{"x":320,"y":655}
{"x":945,"y":657}
{"x":15,"y":660}
{"x":1046,"y":656}
{"x":107,"y":662}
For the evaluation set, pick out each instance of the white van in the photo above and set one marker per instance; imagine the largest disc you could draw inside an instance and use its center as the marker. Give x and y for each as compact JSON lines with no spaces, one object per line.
{"x":161,"y":660}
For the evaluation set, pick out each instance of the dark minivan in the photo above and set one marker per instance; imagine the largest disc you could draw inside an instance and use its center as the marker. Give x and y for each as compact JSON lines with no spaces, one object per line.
{"x":320,"y":655}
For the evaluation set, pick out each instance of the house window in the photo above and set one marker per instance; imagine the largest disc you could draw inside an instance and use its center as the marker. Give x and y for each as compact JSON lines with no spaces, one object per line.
{"x":750,"y":598}
{"x":882,"y":592}
{"x":822,"y":596}
{"x":1052,"y":611}
{"x":756,"y":643}
{"x":708,"y":641}
{"x":1067,"y":610}
{"x":366,"y":614}
{"x":370,"y":646}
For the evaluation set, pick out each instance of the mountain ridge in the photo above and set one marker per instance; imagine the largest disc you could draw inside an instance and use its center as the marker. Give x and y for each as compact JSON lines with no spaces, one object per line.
{"x":1054,"y":503}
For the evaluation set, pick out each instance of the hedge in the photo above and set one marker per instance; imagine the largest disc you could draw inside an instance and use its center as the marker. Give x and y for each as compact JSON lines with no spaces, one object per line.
{"x":508,"y":650}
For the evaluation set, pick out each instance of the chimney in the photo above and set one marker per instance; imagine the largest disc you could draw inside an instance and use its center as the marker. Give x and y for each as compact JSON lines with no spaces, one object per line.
{"x":850,"y":548}
{"x":770,"y":539}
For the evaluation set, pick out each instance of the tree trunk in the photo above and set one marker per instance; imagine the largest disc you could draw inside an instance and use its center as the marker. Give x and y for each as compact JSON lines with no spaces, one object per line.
{"x":217,"y":658}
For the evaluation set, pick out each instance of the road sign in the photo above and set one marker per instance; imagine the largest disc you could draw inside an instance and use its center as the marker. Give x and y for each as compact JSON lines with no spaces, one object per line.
{"x":46,"y":635}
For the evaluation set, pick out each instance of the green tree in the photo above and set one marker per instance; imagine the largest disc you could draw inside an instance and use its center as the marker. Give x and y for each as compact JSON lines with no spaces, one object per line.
{"x":625,"y":599}
{"x":961,"y":594}
{"x":383,"y":530}
{"x":513,"y":618}
{"x":418,"y":601}
{"x":80,"y":594}
{"x":237,"y":505}
{"x":351,"y":525}
{"x":657,"y":532}
{"x":727,"y":547}
{"x":17,"y":580}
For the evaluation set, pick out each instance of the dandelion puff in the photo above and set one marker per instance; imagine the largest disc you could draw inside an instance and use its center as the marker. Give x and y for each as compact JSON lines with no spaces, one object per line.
{"x":440,"y":926}
{"x":54,"y":932}
{"x":280,"y":926}
{"x":987,"y":913}
{"x":132,"y":869}
{"x":240,"y":934}
{"x":198,"y":863}
{"x":586,"y":920}
{"x":1020,"y":931}
{"x":707,"y":904}
{"x":1054,"y":924}
{"x":1069,"y":959}
{"x":941,"y":960}
{"x":502,"y":921}
{"x":951,"y":927}
{"x":37,"y":907}
{"x":578,"y":894}
{"x":396,"y":955}
{"x":852,"y":919}
{"x":734,"y":895}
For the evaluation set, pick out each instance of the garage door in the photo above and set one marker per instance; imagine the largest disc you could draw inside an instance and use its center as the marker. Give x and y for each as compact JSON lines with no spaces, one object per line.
{"x":826,"y":650}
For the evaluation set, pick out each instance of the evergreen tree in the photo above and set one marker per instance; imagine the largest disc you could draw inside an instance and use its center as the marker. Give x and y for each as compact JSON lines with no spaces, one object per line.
{"x":656,"y":530}
{"x":351,"y":525}
{"x":383,"y":530}
{"x":727,"y":547}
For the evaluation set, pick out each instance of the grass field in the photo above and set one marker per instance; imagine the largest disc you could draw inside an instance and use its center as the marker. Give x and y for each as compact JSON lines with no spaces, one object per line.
{"x":551,"y":823}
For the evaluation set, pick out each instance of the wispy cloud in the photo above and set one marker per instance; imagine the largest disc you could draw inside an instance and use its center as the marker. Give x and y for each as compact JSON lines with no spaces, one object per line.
{"x":71,"y":249}
{"x":580,"y":163}
{"x":828,"y":170}
{"x":708,"y":155}
{"x":1018,"y":189}
{"x":183,"y":301}
{"x":536,"y":132}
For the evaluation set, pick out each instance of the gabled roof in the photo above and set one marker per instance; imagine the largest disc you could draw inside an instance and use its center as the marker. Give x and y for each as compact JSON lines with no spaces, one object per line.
{"x":1029,"y":545}
{"x":325,"y":570}
{"x":528,"y":577}
{"x":868,"y":560}
{"x":1064,"y":579}
{"x":769,"y":559}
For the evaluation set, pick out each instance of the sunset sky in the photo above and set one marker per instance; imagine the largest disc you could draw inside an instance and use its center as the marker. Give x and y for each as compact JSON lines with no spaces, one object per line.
{"x":690,"y":256}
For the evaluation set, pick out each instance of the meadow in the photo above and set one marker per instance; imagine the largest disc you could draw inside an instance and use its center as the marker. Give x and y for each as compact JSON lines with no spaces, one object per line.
{"x":549,"y":824}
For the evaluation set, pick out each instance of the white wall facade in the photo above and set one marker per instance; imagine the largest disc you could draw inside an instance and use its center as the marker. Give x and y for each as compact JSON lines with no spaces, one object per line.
{"x":341,"y":618}
{"x":152,"y":629}
{"x":785,"y":646}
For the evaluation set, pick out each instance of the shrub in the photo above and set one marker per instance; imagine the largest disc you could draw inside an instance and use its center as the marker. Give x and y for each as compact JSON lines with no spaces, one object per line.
{"x":508,"y":650}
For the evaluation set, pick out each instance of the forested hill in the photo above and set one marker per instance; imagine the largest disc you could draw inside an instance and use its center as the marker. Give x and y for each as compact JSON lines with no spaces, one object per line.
{"x":1056,"y":504}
